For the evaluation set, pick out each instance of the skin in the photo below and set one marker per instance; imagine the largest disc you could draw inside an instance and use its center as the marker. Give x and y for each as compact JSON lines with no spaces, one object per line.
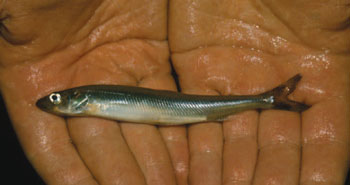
{"x":226,"y":47}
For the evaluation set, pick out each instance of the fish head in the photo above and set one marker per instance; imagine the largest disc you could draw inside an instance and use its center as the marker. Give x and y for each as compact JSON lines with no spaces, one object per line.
{"x":63,"y":103}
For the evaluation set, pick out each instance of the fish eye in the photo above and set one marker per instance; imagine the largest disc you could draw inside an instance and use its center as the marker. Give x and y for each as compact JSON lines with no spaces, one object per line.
{"x":55,"y":98}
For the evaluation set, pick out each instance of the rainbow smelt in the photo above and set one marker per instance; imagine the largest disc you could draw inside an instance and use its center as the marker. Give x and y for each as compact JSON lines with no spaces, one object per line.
{"x":159,"y":107}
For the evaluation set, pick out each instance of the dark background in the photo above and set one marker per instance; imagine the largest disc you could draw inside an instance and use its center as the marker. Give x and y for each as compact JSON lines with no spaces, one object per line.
{"x":16,"y":169}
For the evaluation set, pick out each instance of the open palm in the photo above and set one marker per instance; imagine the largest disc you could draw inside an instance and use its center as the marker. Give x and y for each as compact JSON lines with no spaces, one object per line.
{"x":216,"y":47}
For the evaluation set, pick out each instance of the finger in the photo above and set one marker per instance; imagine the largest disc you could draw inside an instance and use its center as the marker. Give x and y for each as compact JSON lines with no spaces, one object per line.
{"x":205,"y":139}
{"x":103,"y":149}
{"x":240,"y":148}
{"x":46,"y":142}
{"x":279,"y":148}
{"x":150,"y":152}
{"x":325,"y":141}
{"x":175,"y":137}
{"x":205,"y":142}
{"x":147,"y":143}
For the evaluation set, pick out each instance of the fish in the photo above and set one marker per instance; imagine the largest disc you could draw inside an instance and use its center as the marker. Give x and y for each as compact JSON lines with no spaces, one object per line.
{"x":162,"y":107}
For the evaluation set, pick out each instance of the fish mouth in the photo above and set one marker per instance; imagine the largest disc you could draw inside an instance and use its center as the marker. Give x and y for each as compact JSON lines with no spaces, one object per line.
{"x":44,"y":104}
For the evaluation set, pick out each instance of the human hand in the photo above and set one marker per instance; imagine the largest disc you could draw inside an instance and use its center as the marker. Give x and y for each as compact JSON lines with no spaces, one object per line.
{"x":248,"y":47}
{"x":252,"y":61}
{"x":49,"y":46}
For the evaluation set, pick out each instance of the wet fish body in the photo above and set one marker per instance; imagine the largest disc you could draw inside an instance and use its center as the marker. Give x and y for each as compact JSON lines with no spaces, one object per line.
{"x":159,"y":107}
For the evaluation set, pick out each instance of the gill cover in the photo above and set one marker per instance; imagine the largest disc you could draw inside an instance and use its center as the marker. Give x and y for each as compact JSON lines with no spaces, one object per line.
{"x":78,"y":101}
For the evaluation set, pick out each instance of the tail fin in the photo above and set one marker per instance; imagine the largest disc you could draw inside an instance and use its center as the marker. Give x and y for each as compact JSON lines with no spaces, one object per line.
{"x":280,"y":96}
